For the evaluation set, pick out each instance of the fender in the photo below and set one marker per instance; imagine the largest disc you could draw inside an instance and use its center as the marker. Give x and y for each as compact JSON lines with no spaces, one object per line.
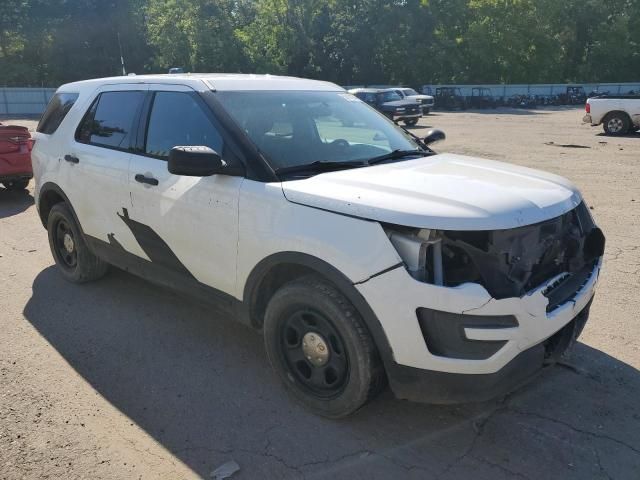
{"x":346,"y":287}
{"x":52,"y":187}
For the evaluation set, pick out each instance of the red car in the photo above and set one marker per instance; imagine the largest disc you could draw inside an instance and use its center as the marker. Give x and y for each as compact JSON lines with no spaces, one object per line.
{"x":15,"y":157}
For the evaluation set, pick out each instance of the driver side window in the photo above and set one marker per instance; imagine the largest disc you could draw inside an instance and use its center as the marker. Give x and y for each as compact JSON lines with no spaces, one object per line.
{"x":178,"y":119}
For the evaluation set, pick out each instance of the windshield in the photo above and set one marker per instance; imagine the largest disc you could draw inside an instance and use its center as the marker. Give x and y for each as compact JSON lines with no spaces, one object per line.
{"x":390,"y":96}
{"x":409,"y":92}
{"x":297,"y":128}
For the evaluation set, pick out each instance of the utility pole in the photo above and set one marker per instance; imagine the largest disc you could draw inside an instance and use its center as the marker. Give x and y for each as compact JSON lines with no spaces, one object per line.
{"x":124,"y":71}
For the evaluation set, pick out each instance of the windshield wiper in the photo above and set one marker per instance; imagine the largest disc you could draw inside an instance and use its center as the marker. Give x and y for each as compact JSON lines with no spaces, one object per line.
{"x":397,"y":154}
{"x":320,"y":166}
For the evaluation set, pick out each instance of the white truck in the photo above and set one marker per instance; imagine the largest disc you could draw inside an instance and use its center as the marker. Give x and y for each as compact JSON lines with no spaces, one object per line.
{"x":426,"y":101}
{"x":618,"y":114}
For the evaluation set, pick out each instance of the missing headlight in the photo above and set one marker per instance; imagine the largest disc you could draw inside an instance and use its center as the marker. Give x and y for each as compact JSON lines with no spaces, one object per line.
{"x":421,"y":254}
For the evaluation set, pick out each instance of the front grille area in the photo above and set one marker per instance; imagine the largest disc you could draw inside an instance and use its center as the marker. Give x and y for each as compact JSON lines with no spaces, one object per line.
{"x":512,"y":262}
{"x":566,"y":288}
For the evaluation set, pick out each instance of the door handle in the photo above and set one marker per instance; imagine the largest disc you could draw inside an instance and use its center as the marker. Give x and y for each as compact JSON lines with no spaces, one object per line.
{"x":71,"y":159}
{"x":140,"y":178}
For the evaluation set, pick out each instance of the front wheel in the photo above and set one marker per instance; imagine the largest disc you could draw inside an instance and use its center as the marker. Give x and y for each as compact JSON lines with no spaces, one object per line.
{"x":411,"y":123}
{"x":20,"y":184}
{"x":616,"y":123}
{"x":319,"y":347}
{"x":70,"y":252}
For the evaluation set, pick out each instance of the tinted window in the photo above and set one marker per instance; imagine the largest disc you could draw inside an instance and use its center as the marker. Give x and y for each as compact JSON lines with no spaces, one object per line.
{"x":390,"y":96}
{"x":296,"y":127}
{"x":109,"y":121}
{"x":57,"y":109}
{"x":178,"y":119}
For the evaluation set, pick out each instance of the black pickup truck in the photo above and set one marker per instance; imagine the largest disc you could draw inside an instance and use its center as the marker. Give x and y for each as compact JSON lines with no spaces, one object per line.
{"x":391,"y":104}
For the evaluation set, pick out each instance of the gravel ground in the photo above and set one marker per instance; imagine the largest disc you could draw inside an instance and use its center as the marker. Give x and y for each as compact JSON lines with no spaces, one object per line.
{"x":119,"y":379}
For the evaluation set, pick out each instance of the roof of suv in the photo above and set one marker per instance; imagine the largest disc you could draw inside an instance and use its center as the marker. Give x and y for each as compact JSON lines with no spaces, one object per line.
{"x":212,"y":81}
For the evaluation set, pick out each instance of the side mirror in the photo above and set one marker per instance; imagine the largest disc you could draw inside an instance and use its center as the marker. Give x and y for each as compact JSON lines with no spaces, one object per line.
{"x":434,"y":136}
{"x":195,"y":162}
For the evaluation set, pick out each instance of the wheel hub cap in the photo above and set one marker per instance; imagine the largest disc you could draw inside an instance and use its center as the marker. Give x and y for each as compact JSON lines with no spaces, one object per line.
{"x":315,"y":349}
{"x":68,"y":243}
{"x":615,"y":125}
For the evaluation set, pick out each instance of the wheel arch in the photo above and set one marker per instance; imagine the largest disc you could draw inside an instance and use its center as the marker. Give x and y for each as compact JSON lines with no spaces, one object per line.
{"x":50,"y":195}
{"x":619,"y":112}
{"x":277,"y":269}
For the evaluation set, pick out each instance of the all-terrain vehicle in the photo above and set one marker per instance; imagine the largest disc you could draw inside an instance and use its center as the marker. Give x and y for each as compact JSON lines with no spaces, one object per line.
{"x":481,"y":97}
{"x":450,"y":98}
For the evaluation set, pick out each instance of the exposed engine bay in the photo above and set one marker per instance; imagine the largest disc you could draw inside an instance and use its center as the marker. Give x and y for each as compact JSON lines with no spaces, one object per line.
{"x":507,"y":263}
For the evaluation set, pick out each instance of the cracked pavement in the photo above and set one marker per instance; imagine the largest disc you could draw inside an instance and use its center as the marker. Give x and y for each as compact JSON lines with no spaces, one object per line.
{"x":121,"y":379}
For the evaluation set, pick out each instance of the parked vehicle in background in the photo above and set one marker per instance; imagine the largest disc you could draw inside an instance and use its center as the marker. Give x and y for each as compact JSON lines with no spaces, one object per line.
{"x":574,"y":95}
{"x":618,"y":114}
{"x":15,"y":157}
{"x":450,"y":98}
{"x":176,"y":70}
{"x":391,"y":104}
{"x":522,"y":101}
{"x":481,"y":97}
{"x":357,"y":252}
{"x":597,"y":93}
{"x":426,"y":101}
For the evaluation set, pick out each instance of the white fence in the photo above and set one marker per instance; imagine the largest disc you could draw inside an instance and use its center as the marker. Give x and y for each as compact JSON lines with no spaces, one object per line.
{"x":541,"y":89}
{"x":24,"y":101}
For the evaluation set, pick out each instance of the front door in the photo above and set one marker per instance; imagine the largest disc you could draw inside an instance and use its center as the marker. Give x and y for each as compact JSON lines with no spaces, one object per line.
{"x":188,"y":225}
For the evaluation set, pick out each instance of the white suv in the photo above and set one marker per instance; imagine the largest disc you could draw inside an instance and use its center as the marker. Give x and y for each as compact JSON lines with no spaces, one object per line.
{"x":359,"y":253}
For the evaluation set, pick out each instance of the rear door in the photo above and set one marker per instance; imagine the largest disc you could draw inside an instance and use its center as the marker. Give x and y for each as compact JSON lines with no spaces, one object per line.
{"x":187,"y":225}
{"x":97,"y":163}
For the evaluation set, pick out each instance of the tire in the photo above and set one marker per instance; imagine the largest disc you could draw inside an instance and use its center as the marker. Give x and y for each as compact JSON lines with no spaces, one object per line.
{"x":616,"y":123}
{"x":310,"y":312}
{"x":411,"y":123}
{"x":75,"y":261}
{"x":426,"y":111}
{"x":14,"y":185}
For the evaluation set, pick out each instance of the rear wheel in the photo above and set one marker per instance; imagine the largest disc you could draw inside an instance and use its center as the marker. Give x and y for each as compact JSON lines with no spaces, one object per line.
{"x":20,"y":184}
{"x":616,"y":123}
{"x":70,"y":252}
{"x":319,"y":347}
{"x":411,"y":123}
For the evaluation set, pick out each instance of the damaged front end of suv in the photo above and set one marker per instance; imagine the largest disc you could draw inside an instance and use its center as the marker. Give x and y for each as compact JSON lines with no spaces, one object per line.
{"x":507,"y":263}
{"x":497,"y":303}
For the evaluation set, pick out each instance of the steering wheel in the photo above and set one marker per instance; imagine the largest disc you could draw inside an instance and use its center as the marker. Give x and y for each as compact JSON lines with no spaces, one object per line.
{"x":340,"y":143}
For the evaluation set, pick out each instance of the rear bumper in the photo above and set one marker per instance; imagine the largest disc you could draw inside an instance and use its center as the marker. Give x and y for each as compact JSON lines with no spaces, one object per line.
{"x":587,"y":119}
{"x":17,"y":176}
{"x":16,"y":165}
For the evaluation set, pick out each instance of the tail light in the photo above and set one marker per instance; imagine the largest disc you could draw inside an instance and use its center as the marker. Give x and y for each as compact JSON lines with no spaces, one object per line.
{"x":587,"y":107}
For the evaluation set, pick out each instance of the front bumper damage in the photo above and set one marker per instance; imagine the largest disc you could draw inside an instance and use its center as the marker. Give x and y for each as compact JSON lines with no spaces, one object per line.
{"x":417,"y":374}
{"x":481,"y":329}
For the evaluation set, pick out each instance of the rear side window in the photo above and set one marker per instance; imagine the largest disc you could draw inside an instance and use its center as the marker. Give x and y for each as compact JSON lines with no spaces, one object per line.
{"x":178,"y":119}
{"x":58,"y":107}
{"x":109,"y":120}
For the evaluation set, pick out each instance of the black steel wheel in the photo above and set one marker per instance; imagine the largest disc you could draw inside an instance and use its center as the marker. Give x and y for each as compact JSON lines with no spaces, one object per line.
{"x":314,"y":352}
{"x":75,"y":261}
{"x":320,"y":348}
{"x":65,"y":244}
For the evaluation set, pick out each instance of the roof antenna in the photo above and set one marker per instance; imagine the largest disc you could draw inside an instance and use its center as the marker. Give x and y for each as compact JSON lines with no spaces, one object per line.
{"x":124,"y":71}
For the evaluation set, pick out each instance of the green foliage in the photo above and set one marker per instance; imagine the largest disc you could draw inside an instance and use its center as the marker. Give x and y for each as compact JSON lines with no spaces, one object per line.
{"x":48,"y":42}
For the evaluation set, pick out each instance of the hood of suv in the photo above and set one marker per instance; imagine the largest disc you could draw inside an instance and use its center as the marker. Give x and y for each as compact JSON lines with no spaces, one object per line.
{"x":446,"y":192}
